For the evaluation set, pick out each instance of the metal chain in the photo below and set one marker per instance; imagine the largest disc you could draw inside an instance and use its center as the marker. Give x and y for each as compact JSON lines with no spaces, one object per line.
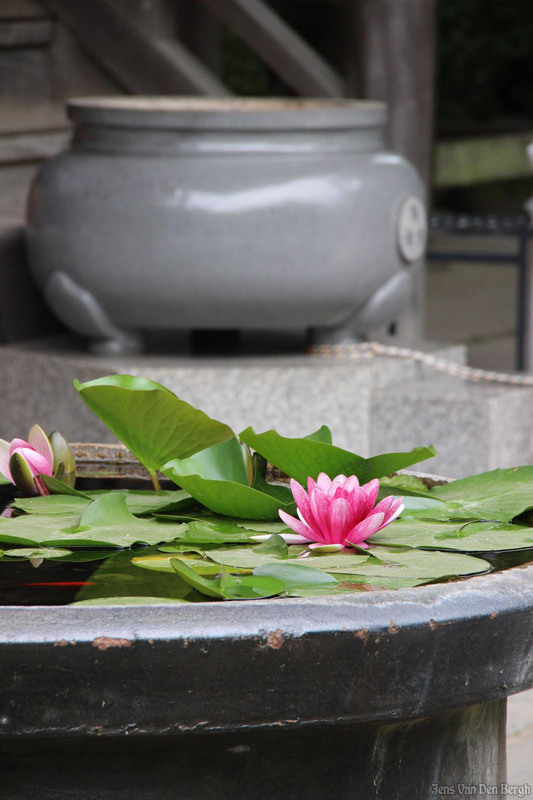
{"x":364,"y":350}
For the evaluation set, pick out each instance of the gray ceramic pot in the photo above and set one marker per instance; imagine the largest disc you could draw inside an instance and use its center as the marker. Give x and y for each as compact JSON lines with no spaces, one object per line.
{"x":251,"y":214}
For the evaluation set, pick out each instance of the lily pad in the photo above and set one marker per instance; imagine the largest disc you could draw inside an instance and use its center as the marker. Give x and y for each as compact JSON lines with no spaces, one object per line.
{"x":403,"y":484}
{"x":500,"y":494}
{"x":249,"y":558}
{"x":474,"y":537}
{"x":427,"y":564}
{"x":301,"y":458}
{"x":229,"y":587}
{"x":106,"y":522}
{"x":37,"y":552}
{"x":139,"y":501}
{"x":161,"y":563}
{"x":150,"y":419}
{"x":296,"y":576}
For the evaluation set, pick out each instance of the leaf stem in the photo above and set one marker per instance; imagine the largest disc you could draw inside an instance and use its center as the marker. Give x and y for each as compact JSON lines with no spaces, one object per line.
{"x":155,"y":480}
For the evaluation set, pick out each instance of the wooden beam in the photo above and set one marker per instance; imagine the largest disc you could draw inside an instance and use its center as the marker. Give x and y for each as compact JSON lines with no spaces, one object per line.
{"x":30,"y":148}
{"x":285,"y":52}
{"x":200,"y":32}
{"x":140,"y":63}
{"x":26,"y":33}
{"x":393,"y":59}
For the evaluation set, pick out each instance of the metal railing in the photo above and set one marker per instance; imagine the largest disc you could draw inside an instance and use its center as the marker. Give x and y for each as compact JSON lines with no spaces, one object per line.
{"x":519,"y":227}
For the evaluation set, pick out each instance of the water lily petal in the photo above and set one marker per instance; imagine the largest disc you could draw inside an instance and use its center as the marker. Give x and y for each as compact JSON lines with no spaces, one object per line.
{"x":16,"y":444}
{"x":342,"y":520}
{"x":365,"y":529}
{"x":351,"y":483}
{"x":290,"y":538}
{"x":326,"y":548}
{"x":37,"y":463}
{"x":358,"y":501}
{"x":384,"y":506}
{"x":39,"y":441}
{"x":321,"y":508}
{"x":323,"y":481}
{"x":302,"y":501}
{"x":393,"y":514}
{"x":4,"y":459}
{"x":298,"y":527}
{"x":370,"y":491}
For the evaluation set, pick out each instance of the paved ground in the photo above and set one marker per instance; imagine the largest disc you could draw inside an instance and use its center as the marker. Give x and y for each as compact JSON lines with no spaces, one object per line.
{"x":476,"y":305}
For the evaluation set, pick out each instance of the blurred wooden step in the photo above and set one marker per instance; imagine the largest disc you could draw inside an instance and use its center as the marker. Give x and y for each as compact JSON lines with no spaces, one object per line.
{"x":32,"y":133}
{"x":24,"y":23}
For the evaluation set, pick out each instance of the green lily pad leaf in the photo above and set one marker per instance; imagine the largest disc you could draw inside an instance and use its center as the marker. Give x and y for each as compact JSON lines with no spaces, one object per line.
{"x":37,"y":552}
{"x":474,"y":537}
{"x":349,"y":557}
{"x":262,"y":527}
{"x":423,"y":504}
{"x":214,"y":530}
{"x":139,"y":501}
{"x":252,"y":587}
{"x":227,"y":497}
{"x":275,"y":545}
{"x":130,"y":601}
{"x":161,"y":563}
{"x":151,"y":420}
{"x":500,"y":494}
{"x":210,"y":588}
{"x":4,"y":481}
{"x":428,"y":564}
{"x":296,"y":576}
{"x":403,"y":484}
{"x":55,"y":486}
{"x":106,"y":522}
{"x":241,"y":557}
{"x":301,"y":458}
{"x":249,"y":558}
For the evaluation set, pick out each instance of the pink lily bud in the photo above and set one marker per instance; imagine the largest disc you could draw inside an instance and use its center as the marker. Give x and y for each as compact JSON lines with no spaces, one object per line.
{"x":21,"y":462}
{"x":339,"y":512}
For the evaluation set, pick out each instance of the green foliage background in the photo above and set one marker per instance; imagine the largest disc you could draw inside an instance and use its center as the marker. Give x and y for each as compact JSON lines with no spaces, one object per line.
{"x":485,"y":60}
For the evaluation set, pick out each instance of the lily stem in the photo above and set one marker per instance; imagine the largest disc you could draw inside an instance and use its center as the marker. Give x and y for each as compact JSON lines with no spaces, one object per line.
{"x":155,"y":480}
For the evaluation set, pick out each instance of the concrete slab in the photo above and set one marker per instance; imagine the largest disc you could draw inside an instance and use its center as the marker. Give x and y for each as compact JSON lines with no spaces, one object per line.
{"x":295,"y":393}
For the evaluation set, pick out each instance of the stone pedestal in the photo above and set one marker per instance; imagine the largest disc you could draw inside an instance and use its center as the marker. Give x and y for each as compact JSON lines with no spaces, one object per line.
{"x":371,"y":405}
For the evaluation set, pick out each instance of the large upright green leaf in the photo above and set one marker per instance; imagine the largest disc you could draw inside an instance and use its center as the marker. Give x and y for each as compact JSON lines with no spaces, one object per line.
{"x":499,"y":494}
{"x":227,"y":497}
{"x":303,"y":458}
{"x":222,"y":462}
{"x":150,"y":420}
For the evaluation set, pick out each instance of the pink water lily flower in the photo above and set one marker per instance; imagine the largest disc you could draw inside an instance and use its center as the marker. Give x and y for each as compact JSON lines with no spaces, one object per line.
{"x":36,"y":453}
{"x":339,"y":512}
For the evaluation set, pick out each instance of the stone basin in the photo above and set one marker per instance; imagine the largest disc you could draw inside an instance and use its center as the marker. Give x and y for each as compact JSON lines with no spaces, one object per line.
{"x":376,"y":696}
